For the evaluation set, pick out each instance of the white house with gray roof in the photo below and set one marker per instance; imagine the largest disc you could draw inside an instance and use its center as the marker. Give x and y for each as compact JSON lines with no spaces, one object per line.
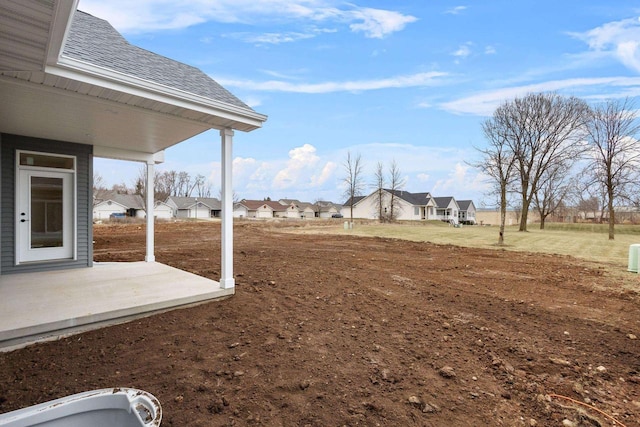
{"x":71,"y":89}
{"x":408,"y":206}
{"x":195,"y":207}
{"x":130,"y":205}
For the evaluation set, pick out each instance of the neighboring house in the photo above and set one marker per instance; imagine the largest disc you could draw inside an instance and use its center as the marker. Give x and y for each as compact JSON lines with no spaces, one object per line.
{"x":130,"y":205}
{"x":327,"y":209}
{"x":261,"y":209}
{"x":408,"y":206}
{"x":352,"y":205}
{"x":71,"y":89}
{"x":298,"y":209}
{"x":447,"y":209}
{"x":467,"y":212}
{"x":163,"y":210}
{"x":195,"y":207}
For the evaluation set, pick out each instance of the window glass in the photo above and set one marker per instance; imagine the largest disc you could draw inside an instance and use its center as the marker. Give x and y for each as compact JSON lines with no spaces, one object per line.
{"x":42,"y":160}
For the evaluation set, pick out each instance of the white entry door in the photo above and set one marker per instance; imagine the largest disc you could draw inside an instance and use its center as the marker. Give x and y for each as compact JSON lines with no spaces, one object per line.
{"x":45,"y":216}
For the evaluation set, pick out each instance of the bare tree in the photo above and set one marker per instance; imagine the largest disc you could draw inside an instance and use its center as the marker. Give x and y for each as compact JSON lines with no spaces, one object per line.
{"x":554,"y":187}
{"x":166,"y":184}
{"x":378,"y":184}
{"x":396,"y":184}
{"x":612,"y":134}
{"x":202,"y":186}
{"x":353,"y":180}
{"x":99,"y":188}
{"x":183,"y":184}
{"x":541,"y":130}
{"x":498,"y":163}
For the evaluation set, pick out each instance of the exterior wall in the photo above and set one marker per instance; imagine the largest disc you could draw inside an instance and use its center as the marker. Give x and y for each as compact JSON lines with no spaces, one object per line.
{"x":201,"y":211}
{"x":104,"y":209}
{"x":84,"y":175}
{"x":406,"y":211}
{"x":329,"y":213}
{"x":263,"y":212}
{"x":367,"y":208}
{"x":293,"y":212}
{"x":163,"y":211}
{"x":240,"y":212}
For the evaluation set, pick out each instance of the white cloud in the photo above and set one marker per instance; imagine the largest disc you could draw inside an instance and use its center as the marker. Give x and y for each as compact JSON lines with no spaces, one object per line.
{"x":455,"y":10}
{"x":490,"y":50}
{"x":423,"y":177}
{"x":411,"y":80}
{"x":484,"y":103}
{"x":377,"y":23}
{"x":301,"y":162}
{"x":460,"y":182}
{"x":325,"y":174}
{"x":618,"y":39}
{"x":153,"y":15}
{"x":269,"y":38}
{"x":463,"y":51}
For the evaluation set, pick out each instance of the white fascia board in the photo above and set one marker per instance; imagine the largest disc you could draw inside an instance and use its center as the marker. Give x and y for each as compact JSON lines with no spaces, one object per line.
{"x":63,"y":12}
{"x":120,"y":154}
{"x":87,"y":73}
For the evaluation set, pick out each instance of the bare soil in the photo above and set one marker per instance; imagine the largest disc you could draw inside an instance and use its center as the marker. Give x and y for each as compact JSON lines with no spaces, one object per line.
{"x":329,"y":330}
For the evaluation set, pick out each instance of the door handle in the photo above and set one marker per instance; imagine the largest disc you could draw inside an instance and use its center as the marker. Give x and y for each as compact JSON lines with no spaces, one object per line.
{"x":24,"y":220}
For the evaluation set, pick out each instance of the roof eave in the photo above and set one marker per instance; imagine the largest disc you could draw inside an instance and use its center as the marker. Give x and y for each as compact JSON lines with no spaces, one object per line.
{"x":246,"y":119}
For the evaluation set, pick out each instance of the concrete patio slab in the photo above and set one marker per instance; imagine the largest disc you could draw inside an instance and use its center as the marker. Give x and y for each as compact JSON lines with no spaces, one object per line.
{"x":47,"y":305}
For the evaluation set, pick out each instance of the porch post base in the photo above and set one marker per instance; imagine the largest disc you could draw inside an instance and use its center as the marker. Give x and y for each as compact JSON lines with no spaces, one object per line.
{"x":227,"y":283}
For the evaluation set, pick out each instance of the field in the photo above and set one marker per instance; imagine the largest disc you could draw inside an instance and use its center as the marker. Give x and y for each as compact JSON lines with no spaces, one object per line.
{"x":333,"y":327}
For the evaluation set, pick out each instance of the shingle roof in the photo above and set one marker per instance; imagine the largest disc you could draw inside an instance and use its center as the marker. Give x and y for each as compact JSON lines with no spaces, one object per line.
{"x":130,"y":201}
{"x":187,"y":202}
{"x":464,"y":205}
{"x":95,"y":41}
{"x":353,"y":200}
{"x":255,"y":204}
{"x":416,"y":199}
{"x":442,"y":202}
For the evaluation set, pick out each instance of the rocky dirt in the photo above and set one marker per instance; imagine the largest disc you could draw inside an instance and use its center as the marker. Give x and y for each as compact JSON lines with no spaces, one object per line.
{"x":331,"y":330}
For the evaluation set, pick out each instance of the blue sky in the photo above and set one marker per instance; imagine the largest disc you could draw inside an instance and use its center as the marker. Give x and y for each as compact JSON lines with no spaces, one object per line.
{"x":406,"y":80}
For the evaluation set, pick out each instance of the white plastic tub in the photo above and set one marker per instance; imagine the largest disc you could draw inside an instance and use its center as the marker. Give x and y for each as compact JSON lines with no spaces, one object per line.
{"x":113,"y":407}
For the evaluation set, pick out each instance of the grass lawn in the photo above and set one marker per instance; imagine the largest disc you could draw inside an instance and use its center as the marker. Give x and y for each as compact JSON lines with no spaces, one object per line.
{"x":586,"y":241}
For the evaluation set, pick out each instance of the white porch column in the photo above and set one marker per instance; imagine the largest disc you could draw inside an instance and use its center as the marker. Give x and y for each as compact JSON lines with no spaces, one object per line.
{"x":150,"y":257}
{"x":226,"y":271}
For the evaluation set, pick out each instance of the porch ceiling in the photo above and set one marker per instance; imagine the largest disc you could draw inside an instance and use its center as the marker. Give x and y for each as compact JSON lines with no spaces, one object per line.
{"x":60,"y":114}
{"x":45,"y":94}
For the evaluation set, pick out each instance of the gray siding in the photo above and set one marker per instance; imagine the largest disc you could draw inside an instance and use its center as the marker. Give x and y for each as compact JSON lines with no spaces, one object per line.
{"x":84,"y":176}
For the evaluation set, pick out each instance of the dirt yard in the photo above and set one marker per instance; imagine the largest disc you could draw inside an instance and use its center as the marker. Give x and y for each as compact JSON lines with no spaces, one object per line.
{"x":342,"y":331}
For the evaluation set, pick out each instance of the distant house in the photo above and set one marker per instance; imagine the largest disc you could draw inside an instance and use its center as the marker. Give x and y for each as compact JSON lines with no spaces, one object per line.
{"x":195,"y":207}
{"x":163,"y":210}
{"x":467,"y":212}
{"x":327,"y":209}
{"x":302,"y":209}
{"x":447,"y":209}
{"x":408,"y":206}
{"x":112,"y":203}
{"x":261,"y":209}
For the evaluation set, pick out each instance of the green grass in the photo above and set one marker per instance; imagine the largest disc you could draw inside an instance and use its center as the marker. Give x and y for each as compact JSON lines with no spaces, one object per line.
{"x":586,"y":241}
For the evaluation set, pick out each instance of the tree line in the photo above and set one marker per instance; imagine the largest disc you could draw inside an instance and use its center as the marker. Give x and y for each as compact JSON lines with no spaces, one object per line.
{"x":545,"y":150}
{"x":165,"y":184}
